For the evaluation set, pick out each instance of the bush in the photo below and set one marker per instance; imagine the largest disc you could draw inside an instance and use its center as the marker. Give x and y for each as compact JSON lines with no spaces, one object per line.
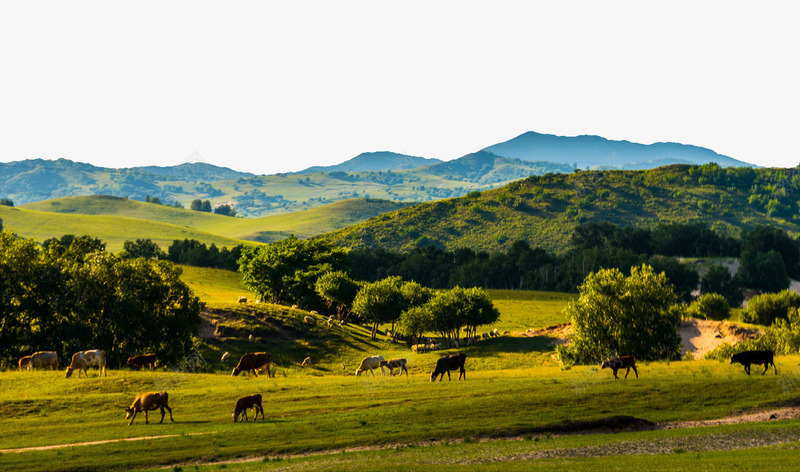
{"x":618,"y":315}
{"x":711,"y":306}
{"x":764,"y":309}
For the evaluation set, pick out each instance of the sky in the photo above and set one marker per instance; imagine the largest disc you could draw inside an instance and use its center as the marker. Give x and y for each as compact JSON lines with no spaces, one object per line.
{"x":269,"y":86}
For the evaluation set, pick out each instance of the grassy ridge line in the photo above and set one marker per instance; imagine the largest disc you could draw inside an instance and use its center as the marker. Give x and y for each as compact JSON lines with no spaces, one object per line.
{"x":307,"y":413}
{"x":544,"y":210}
{"x":113,"y":230}
{"x":268,"y":228}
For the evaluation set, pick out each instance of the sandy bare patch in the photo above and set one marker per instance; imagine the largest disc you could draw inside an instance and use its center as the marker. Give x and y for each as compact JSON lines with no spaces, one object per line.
{"x":701,"y":336}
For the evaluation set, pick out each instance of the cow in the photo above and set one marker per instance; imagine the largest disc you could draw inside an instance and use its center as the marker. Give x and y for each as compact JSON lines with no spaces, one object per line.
{"x":448,"y":363}
{"x":369,"y":363}
{"x":25,"y":362}
{"x":307,"y":361}
{"x":83,"y":359}
{"x":755,"y":357}
{"x":44,"y":359}
{"x":242,"y":299}
{"x":143,"y":360}
{"x":148,"y":401}
{"x":394,"y":364}
{"x":617,"y":363}
{"x":225,"y":356}
{"x":252,"y":361}
{"x":245,"y":403}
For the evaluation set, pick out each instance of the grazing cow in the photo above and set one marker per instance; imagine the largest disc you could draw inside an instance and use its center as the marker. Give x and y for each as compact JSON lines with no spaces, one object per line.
{"x":43,"y":359}
{"x":225,"y":357}
{"x":83,"y":359}
{"x":148,"y":401}
{"x":252,"y":361}
{"x":764,"y":358}
{"x":307,"y":361}
{"x":394,"y":364}
{"x":143,"y":360}
{"x":621,"y":363}
{"x":25,"y":362}
{"x":310,"y":320}
{"x":448,"y":363}
{"x":369,"y":363}
{"x":245,"y":403}
{"x":242,"y":299}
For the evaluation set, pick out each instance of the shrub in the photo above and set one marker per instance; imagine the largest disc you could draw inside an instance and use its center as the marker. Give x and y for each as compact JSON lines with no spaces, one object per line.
{"x":711,"y":306}
{"x":764,"y":309}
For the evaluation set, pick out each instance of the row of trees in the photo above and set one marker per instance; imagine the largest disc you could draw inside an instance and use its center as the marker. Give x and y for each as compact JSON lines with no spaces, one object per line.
{"x":70,"y":294}
{"x":315,"y":275}
{"x":205,"y":206}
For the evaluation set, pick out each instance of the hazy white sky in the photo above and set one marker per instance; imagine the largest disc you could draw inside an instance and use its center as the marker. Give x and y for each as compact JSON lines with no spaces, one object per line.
{"x":270,"y":87}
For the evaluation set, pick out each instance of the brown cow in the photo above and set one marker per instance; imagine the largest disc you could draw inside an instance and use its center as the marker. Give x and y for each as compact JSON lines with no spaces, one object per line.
{"x":621,"y":363}
{"x":245,"y":403}
{"x":143,"y":360}
{"x":44,"y":359}
{"x":252,"y":361}
{"x":148,"y":401}
{"x":83,"y":359}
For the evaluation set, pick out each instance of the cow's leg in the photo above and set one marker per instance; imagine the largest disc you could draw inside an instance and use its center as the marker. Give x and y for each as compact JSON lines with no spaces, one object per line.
{"x":133,"y":417}
{"x":449,"y":379}
{"x":268,"y":373}
{"x":627,"y":372}
{"x":766,"y":366}
{"x":146,"y":421}
{"x":255,"y":372}
{"x":371,"y":371}
{"x":382,"y":370}
{"x":170,"y":412}
{"x":162,"y":415}
{"x":747,"y":368}
{"x":634,"y":371}
{"x":615,"y":373}
{"x":405,"y":369}
{"x":463,"y":372}
{"x":776,"y":369}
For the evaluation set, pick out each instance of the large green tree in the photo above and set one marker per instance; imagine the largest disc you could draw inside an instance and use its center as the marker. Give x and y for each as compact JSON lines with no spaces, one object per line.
{"x":619,"y":315}
{"x":338,"y":290}
{"x":287,"y":271}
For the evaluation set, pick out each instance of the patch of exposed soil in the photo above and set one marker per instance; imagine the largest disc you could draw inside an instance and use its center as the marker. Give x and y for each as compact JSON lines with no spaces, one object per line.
{"x":562,"y":332}
{"x":701,"y":336}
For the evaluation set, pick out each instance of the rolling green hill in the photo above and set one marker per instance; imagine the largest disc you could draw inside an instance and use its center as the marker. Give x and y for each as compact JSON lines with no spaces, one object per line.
{"x":161,"y":223}
{"x":544,"y":209}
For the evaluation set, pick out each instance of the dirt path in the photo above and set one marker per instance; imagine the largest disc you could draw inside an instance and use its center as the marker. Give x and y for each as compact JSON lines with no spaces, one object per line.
{"x":94,"y":443}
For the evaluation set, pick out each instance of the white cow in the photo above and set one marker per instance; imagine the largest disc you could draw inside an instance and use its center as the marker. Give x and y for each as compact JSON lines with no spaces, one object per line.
{"x":83,"y":359}
{"x":369,"y":363}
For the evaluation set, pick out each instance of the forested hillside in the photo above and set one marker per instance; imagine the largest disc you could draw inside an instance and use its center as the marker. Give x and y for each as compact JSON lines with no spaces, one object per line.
{"x":543,"y":210}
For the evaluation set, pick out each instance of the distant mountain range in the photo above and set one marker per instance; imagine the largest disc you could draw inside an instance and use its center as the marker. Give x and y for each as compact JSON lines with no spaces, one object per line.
{"x":595,"y":152}
{"x":383,"y":161}
{"x":384,"y":175}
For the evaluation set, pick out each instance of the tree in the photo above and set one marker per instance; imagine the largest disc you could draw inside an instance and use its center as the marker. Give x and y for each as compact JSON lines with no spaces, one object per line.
{"x":764,"y":239}
{"x":763,"y":271}
{"x":380,"y":302}
{"x":718,"y":279}
{"x":287,"y":271}
{"x":456,"y":308}
{"x":6,"y":202}
{"x":144,"y":248}
{"x":619,"y":315}
{"x":225,"y":210}
{"x":196,"y":205}
{"x":338,"y":290}
{"x":206,"y":206}
{"x":682,"y":277}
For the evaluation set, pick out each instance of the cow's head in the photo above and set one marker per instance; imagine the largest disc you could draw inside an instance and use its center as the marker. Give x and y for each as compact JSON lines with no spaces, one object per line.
{"x":735,"y":358}
{"x":235,"y":416}
{"x":235,"y":372}
{"x":433,"y":375}
{"x":128,"y":412}
{"x":69,"y":372}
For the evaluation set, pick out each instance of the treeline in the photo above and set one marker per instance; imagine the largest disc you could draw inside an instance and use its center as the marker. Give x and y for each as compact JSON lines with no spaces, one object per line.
{"x":768,"y":258}
{"x":70,"y":294}
{"x":189,"y":252}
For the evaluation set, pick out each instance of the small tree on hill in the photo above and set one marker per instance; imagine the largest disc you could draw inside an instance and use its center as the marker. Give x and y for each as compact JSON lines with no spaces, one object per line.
{"x":380,"y":302}
{"x":339,"y":291}
{"x":619,"y":315}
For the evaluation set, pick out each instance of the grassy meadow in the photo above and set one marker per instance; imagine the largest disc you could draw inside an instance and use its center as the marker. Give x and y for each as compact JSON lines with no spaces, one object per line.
{"x":511,"y":413}
{"x":309,"y":413}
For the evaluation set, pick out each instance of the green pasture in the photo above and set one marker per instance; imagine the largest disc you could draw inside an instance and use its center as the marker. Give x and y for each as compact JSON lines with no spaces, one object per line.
{"x":303,"y":224}
{"x":113,"y":230}
{"x":307,"y":412}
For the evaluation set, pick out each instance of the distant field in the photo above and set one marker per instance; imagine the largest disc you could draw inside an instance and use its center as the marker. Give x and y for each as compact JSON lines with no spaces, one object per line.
{"x":308,"y":413}
{"x":303,"y":224}
{"x":113,"y":230}
{"x":523,"y":309}
{"x":215,"y":285}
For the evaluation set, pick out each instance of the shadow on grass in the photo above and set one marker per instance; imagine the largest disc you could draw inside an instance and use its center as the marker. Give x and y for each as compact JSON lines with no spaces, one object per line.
{"x":508,"y":344}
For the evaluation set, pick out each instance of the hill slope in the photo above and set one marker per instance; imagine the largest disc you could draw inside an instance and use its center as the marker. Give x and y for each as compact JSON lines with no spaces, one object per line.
{"x":269,"y":228}
{"x":543,"y":210}
{"x":595,"y":152}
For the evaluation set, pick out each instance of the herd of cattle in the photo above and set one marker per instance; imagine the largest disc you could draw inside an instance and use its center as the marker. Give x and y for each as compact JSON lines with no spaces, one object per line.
{"x":260,"y":361}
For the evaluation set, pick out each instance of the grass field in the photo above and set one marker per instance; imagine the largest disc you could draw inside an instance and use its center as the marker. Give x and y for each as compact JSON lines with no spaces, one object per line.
{"x":308,"y":413}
